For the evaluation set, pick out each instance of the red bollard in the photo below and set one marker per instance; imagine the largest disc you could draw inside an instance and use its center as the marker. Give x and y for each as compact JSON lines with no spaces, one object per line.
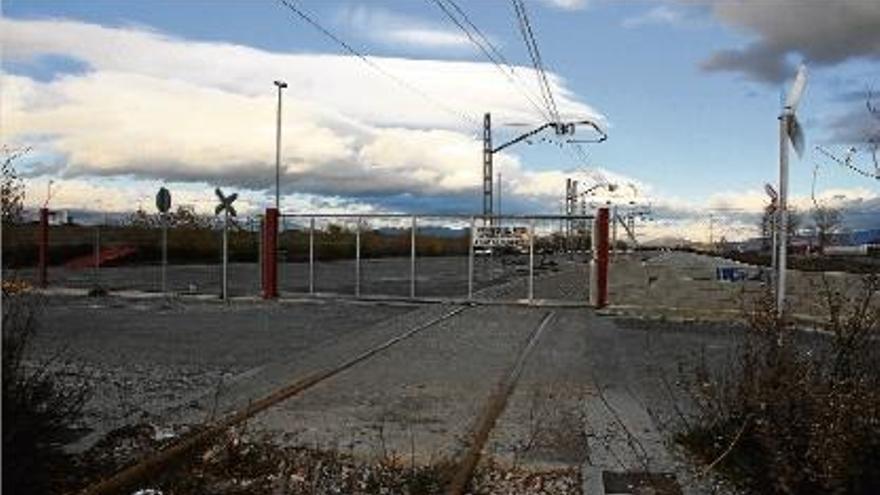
{"x":270,"y":254}
{"x":43,"y":247}
{"x":599,"y":263}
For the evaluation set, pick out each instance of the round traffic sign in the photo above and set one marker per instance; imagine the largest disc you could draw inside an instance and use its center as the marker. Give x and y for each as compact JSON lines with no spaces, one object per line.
{"x":163,"y":200}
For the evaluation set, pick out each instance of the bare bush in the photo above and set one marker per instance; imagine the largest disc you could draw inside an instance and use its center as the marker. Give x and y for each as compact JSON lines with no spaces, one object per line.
{"x":797,"y":412}
{"x":40,"y":407}
{"x":12,"y":186}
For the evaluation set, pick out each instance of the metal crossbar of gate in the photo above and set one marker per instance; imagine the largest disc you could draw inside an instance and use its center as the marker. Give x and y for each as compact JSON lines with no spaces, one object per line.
{"x":530,"y":259}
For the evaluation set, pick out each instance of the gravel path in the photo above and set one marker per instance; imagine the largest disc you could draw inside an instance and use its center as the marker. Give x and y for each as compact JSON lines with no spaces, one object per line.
{"x":419,"y":398}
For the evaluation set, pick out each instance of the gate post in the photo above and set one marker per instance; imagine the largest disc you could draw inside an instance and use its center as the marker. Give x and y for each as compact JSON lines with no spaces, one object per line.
{"x":270,"y":254}
{"x":599,"y":261}
{"x":43,"y":248}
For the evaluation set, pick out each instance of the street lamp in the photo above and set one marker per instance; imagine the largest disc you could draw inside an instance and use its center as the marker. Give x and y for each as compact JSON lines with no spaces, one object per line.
{"x":281,"y":85}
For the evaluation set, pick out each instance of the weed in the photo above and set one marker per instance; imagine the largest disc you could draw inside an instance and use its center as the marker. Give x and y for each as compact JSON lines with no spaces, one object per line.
{"x":41,"y":404}
{"x":797,"y":412}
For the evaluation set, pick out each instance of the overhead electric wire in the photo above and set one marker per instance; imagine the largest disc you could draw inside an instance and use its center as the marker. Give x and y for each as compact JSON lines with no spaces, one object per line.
{"x":364,"y":58}
{"x":533,"y":59}
{"x":477,"y":30}
{"x":535,"y":55}
{"x":846,"y":162}
{"x":488,"y":48}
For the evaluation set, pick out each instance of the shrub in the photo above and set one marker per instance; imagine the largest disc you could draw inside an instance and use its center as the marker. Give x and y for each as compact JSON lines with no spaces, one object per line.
{"x":797,"y":412}
{"x":40,"y":408}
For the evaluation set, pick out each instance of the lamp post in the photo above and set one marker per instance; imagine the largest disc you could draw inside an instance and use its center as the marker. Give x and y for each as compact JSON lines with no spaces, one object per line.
{"x":281,"y":85}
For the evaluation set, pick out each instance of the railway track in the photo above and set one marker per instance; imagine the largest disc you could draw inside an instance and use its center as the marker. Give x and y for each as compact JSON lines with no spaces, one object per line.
{"x":492,"y":410}
{"x":141,"y":472}
{"x":131,"y":476}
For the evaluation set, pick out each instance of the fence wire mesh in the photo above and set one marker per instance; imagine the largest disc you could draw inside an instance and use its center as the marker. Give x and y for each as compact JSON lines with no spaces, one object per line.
{"x":399,"y":256}
{"x":123,"y":252}
{"x":437,"y":257}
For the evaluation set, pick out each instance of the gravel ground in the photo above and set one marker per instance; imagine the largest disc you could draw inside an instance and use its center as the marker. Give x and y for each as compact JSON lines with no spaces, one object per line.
{"x":435,"y":276}
{"x":686,"y":282}
{"x":596,"y":394}
{"x":151,"y":360}
{"x":601,"y":394}
{"x":653,"y":281}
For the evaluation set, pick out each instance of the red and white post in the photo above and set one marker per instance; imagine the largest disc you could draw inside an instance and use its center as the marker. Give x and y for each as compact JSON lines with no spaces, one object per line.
{"x":270,"y":254}
{"x":599,"y":262}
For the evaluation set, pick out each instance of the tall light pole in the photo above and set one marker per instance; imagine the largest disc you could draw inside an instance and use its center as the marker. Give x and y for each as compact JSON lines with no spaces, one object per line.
{"x":281,"y":85}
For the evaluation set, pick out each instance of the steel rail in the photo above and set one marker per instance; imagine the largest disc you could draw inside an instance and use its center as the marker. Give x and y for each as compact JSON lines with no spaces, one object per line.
{"x":130,"y":476}
{"x":492,"y":411}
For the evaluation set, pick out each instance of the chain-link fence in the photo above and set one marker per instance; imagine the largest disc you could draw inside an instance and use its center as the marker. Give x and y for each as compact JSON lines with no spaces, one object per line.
{"x":446,"y":257}
{"x":118,"y":254}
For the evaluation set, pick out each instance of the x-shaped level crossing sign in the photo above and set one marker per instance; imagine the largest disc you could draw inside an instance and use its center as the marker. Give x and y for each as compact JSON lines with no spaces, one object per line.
{"x":225,"y":202}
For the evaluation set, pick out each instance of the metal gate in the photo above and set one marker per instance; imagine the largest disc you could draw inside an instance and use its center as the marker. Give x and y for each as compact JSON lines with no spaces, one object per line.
{"x":527,"y":259}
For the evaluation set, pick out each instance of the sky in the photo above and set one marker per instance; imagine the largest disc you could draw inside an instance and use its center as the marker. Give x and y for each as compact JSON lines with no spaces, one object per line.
{"x":116,"y":99}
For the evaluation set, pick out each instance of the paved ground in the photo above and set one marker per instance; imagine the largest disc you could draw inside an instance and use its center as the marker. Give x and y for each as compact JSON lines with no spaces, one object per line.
{"x":657,"y":281}
{"x":597,"y":393}
{"x":589,"y":388}
{"x":151,"y":360}
{"x":435,"y":276}
{"x":687,"y":282}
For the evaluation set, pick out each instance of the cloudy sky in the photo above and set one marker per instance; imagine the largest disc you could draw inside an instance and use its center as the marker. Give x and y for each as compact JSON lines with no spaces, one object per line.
{"x":117,"y":98}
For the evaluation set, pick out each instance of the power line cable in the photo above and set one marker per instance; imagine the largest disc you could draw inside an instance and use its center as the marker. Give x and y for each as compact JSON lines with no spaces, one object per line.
{"x":535,"y":55}
{"x":461,"y":19}
{"x":847,"y":162}
{"x":530,"y":51}
{"x":476,"y":124}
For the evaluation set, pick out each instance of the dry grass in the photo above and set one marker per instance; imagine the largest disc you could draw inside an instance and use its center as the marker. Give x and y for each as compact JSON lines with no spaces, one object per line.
{"x":41,"y":404}
{"x":797,"y":412}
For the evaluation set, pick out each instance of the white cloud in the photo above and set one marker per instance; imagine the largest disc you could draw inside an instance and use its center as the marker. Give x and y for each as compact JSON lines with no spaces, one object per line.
{"x":567,"y":4}
{"x":200,"y":114}
{"x":660,"y":14}
{"x":403,"y":32}
{"x":166,"y":108}
{"x":121,"y":196}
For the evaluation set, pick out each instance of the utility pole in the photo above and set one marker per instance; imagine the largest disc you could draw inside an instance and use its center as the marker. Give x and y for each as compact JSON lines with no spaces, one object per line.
{"x":499,"y":197}
{"x":561,"y":129}
{"x":571,"y":187}
{"x":711,"y":226}
{"x":487,"y":169}
{"x":614,"y":219}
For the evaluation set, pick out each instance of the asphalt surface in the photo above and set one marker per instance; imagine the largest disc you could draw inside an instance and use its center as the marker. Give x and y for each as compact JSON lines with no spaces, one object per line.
{"x":589,"y":388}
{"x":159,"y":362}
{"x":435,"y":276}
{"x":597,"y":393}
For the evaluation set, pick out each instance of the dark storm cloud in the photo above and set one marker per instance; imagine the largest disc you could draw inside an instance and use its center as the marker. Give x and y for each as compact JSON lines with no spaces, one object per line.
{"x":855,"y":126}
{"x":823,"y":33}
